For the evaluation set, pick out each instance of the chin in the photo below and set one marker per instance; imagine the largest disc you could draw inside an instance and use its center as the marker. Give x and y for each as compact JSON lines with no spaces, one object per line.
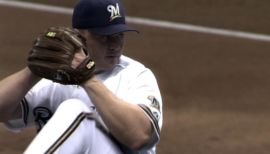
{"x":105,"y":68}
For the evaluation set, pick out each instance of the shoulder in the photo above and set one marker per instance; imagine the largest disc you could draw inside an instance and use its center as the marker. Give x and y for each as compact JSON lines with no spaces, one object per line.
{"x":128,"y":63}
{"x":134,"y":69}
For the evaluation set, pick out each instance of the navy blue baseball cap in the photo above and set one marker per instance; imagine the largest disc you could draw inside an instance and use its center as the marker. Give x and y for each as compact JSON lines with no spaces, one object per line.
{"x":102,"y":17}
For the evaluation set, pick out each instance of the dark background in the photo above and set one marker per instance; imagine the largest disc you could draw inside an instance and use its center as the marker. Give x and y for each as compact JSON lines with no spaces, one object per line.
{"x":215,"y":88}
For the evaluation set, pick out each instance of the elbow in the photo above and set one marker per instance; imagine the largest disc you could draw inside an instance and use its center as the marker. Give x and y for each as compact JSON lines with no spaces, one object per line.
{"x":9,"y":112}
{"x":3,"y":113}
{"x":141,"y":138}
{"x":140,"y":142}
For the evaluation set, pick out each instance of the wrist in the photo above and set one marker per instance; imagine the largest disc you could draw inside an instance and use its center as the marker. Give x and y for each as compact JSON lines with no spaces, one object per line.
{"x":32,"y":76}
{"x":91,"y":82}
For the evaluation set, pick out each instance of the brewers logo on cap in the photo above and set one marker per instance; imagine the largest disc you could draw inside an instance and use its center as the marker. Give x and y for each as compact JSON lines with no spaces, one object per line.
{"x":115,"y":12}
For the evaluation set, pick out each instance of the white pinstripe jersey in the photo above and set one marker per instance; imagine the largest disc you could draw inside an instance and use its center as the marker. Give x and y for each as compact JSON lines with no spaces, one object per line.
{"x":130,"y":81}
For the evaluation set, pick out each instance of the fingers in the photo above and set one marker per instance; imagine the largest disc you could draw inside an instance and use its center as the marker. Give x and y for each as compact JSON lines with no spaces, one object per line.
{"x":79,"y":57}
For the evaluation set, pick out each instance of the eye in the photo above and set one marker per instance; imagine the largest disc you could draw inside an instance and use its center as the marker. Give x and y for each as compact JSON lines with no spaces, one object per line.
{"x":117,"y":36}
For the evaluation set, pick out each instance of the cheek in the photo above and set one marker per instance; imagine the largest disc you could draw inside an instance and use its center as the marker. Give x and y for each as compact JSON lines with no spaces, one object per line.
{"x":96,"y":53}
{"x":92,"y":48}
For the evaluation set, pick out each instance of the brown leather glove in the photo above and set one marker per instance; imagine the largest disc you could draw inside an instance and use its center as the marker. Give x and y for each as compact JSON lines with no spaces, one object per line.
{"x":53,"y":52}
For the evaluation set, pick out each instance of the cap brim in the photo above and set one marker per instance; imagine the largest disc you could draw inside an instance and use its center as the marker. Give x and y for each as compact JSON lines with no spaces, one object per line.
{"x":112,"y":29}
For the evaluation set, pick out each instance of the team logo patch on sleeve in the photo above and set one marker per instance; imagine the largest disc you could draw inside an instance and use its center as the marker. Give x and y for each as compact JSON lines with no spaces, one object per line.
{"x":42,"y":116}
{"x":154,"y":102}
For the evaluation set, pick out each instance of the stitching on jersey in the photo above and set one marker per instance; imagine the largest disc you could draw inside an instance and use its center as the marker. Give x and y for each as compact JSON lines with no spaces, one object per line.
{"x":25,"y":110}
{"x":69,"y":131}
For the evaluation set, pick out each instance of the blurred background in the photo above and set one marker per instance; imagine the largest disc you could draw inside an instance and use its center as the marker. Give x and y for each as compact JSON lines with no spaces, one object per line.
{"x":215,"y":88}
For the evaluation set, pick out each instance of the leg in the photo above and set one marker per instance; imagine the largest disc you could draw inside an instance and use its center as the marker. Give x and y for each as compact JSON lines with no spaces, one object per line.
{"x":72,"y":130}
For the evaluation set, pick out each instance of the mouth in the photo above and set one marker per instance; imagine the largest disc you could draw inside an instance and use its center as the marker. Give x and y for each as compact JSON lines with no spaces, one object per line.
{"x":113,"y":55}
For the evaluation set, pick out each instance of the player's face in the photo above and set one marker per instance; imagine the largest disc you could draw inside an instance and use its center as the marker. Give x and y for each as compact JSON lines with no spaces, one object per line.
{"x":105,"y":50}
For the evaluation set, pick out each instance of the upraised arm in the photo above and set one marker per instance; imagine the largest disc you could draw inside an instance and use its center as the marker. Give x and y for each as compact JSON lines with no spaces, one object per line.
{"x":12,"y":89}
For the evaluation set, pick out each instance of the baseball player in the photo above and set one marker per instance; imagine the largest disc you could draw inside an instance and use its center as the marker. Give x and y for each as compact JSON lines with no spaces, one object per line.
{"x":81,"y":93}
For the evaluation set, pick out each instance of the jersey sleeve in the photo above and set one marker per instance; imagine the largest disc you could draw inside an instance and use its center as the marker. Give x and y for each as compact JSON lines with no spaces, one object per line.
{"x":144,"y":92}
{"x":41,"y":102}
{"x":34,"y":97}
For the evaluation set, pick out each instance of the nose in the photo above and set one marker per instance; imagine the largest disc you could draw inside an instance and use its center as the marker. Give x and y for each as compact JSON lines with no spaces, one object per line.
{"x":115,"y":43}
{"x":115,"y":46}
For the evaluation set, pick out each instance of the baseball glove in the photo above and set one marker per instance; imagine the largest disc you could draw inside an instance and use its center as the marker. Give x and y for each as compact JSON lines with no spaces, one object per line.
{"x":52,"y":54}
